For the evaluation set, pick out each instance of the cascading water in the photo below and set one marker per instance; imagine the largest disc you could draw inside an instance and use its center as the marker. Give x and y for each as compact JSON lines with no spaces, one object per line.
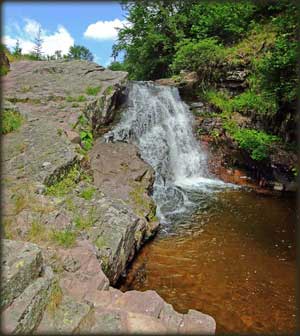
{"x":160,"y":124}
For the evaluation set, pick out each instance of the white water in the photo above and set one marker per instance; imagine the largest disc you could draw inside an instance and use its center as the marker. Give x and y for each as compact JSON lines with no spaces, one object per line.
{"x":160,"y":124}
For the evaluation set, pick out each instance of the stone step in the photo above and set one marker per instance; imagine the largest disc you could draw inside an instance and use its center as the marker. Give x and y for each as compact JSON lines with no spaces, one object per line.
{"x":69,"y":317}
{"x":21,"y":265}
{"x":26,"y":311}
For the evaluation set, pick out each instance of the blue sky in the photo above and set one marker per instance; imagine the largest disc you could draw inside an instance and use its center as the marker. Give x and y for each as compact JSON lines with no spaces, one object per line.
{"x":64,"y":24}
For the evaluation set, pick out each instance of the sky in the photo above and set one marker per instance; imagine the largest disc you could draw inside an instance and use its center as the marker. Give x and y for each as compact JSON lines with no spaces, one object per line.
{"x":63,"y":24}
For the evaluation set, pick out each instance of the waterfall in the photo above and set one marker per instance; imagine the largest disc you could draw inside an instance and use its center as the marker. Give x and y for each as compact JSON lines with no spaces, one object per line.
{"x":160,"y":124}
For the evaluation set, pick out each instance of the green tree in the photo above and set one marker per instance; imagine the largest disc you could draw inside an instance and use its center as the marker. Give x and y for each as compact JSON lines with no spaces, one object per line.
{"x":17,"y":50}
{"x":38,"y":41}
{"x":80,"y":52}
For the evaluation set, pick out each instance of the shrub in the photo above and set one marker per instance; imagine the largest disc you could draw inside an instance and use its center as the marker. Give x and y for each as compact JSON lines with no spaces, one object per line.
{"x":261,"y":103}
{"x":202,"y":55}
{"x":257,"y":143}
{"x":11,"y":121}
{"x":117,"y":66}
{"x":86,"y":138}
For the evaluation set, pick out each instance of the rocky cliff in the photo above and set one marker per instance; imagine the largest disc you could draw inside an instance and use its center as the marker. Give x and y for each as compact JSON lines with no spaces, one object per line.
{"x":87,"y":204}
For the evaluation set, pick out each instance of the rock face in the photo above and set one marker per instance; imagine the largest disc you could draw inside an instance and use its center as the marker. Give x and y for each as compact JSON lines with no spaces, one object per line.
{"x":81,"y":301}
{"x":89,"y":211}
{"x":26,"y":287}
{"x":124,"y":176}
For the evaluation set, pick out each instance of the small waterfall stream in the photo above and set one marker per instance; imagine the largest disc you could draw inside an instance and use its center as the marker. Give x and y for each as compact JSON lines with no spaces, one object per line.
{"x":160,"y":124}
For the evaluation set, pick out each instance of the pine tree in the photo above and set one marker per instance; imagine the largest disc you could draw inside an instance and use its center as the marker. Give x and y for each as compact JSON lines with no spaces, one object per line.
{"x":17,"y":50}
{"x":38,"y":41}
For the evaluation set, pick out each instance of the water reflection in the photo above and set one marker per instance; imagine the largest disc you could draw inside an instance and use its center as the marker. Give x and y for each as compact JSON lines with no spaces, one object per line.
{"x":234,"y":258}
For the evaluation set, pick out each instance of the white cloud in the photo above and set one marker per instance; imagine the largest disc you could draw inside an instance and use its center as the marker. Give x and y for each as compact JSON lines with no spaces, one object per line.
{"x":31,"y":27}
{"x":104,"y":30}
{"x":58,"y":40}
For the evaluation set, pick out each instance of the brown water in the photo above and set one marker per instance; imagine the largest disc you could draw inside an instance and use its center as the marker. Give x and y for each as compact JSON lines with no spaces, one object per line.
{"x":235,"y":259}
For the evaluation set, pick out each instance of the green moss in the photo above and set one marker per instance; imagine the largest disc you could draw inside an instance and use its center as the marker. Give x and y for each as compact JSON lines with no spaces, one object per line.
{"x":65,"y":238}
{"x":11,"y":121}
{"x":92,"y":90}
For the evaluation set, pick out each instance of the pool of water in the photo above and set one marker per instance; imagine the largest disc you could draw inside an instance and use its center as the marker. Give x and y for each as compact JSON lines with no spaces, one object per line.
{"x":233,"y":258}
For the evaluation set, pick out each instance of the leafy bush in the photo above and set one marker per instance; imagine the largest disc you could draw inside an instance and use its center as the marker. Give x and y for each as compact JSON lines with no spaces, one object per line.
{"x":11,"y":121}
{"x":117,"y":66}
{"x":202,"y":56}
{"x":278,"y":70}
{"x":248,"y":101}
{"x":224,"y":20}
{"x":86,"y":137}
{"x":257,"y":143}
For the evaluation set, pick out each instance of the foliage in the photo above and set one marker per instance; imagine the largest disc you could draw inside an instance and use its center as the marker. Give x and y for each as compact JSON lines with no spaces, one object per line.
{"x":218,"y":99}
{"x":248,"y":101}
{"x":65,"y":238}
{"x":204,"y":55}
{"x":17,"y":50}
{"x":11,"y":121}
{"x":257,"y":143}
{"x":117,"y":66}
{"x":86,"y":137}
{"x":66,"y":184}
{"x":227,"y":21}
{"x":79,"y":52}
{"x":88,"y":193}
{"x":92,"y":90}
